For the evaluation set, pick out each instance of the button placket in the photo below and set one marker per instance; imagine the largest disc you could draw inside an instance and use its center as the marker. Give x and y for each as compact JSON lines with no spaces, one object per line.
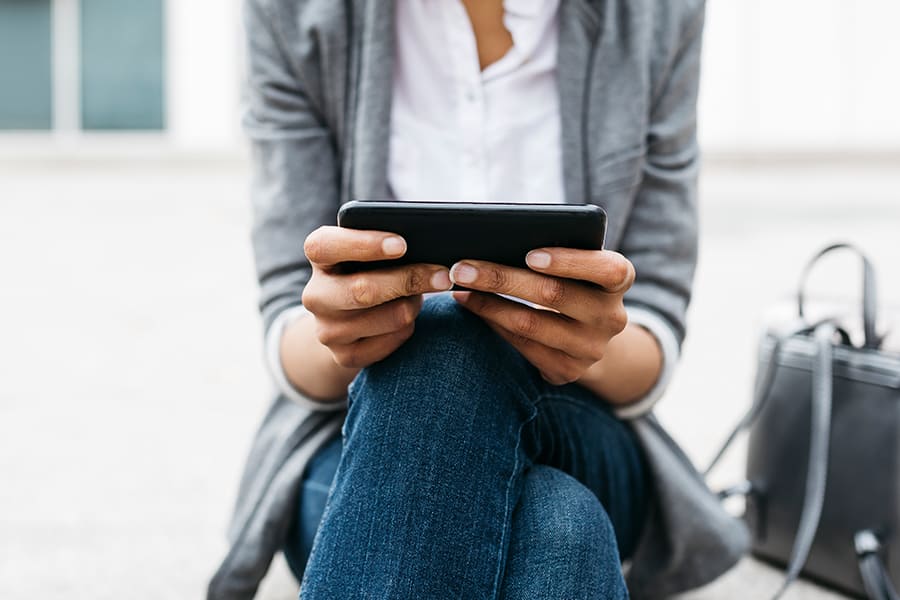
{"x":470,"y":107}
{"x":473,"y":131}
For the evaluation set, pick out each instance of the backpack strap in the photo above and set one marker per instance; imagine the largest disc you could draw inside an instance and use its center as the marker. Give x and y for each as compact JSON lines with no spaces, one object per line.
{"x":874,"y":575}
{"x":764,"y":382}
{"x":817,"y":469}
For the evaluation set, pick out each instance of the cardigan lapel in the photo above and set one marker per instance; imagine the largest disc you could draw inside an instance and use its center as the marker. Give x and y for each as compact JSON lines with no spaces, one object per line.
{"x":579,"y":26}
{"x":374,"y":83}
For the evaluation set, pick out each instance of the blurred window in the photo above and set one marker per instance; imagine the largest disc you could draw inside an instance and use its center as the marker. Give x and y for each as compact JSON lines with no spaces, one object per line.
{"x":122,"y":64}
{"x":25,"y":72}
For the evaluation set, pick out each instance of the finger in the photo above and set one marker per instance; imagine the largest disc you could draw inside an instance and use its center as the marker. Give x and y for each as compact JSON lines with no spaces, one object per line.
{"x":541,"y":326}
{"x":610,"y":270}
{"x":354,"y":291}
{"x":577,"y":300}
{"x":556,"y":367}
{"x":329,"y":245}
{"x":380,"y":320}
{"x":368,"y":351}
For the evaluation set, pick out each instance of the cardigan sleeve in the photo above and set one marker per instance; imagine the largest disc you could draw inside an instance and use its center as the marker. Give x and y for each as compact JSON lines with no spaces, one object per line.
{"x":660,"y":238}
{"x":295,"y":187}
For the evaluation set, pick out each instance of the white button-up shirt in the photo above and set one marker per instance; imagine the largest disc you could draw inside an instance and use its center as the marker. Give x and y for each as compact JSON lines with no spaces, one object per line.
{"x":462,"y":134}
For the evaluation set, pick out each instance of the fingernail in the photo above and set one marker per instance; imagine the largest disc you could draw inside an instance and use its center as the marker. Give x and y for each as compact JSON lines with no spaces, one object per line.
{"x":393,"y":246}
{"x":463,"y":273}
{"x":441,"y":280}
{"x":538,"y":259}
{"x":462,"y":297}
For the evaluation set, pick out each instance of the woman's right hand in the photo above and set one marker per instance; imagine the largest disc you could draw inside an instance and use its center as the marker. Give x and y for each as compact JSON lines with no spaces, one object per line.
{"x":363,"y":317}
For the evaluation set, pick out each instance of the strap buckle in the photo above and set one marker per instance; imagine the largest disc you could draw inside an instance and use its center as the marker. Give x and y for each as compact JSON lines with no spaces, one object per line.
{"x":866,"y":543}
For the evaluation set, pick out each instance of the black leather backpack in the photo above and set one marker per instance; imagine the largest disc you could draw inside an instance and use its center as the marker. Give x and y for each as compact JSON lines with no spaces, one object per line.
{"x":823,"y":463}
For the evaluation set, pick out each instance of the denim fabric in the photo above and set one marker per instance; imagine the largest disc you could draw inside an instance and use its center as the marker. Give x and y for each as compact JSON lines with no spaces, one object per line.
{"x":313,"y":495}
{"x":462,"y":474}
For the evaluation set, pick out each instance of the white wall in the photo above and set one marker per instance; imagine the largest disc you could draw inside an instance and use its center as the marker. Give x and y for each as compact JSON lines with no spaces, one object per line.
{"x":780,"y":76}
{"x":801,"y":76}
{"x":204,"y":45}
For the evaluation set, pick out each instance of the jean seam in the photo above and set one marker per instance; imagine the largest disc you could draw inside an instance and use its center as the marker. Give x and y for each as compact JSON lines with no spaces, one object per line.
{"x":507,"y":516}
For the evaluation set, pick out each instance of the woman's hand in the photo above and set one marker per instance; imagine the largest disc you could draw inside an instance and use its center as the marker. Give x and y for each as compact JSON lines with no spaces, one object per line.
{"x":363,"y":317}
{"x":583,"y":289}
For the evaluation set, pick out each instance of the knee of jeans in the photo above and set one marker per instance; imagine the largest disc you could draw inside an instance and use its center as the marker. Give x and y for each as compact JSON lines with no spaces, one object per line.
{"x":452,"y":373}
{"x":450,"y":349}
{"x":561,"y":515}
{"x":447,"y":331}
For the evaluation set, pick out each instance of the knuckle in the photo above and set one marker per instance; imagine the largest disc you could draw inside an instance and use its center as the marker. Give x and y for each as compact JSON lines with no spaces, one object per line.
{"x":310,"y":298}
{"x":622,"y":272}
{"x":597,"y":350}
{"x":570,"y":371}
{"x":326,"y":334}
{"x":632,"y":273}
{"x":414,"y":282}
{"x":362,"y":292}
{"x":495,"y":278}
{"x":354,"y":356}
{"x":618,"y":319}
{"x":552,"y":292}
{"x":555,"y":378}
{"x":525,"y":324}
{"x":622,"y":268}
{"x":518,"y":340}
{"x":314,"y":244}
{"x":344,"y":356}
{"x":405,"y":314}
{"x":307,"y":298}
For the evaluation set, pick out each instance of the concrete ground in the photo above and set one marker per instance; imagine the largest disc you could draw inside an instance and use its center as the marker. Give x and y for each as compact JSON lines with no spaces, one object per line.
{"x":131,"y":378}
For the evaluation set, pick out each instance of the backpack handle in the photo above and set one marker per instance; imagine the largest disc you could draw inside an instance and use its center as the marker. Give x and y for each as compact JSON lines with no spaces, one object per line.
{"x":870,"y":293}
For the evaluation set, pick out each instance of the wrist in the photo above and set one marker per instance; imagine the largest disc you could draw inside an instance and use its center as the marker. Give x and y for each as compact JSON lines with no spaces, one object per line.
{"x":309,"y":366}
{"x":629,"y":369}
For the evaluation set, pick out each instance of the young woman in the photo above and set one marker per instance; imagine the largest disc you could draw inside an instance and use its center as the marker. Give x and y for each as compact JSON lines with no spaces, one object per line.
{"x":490,"y":449}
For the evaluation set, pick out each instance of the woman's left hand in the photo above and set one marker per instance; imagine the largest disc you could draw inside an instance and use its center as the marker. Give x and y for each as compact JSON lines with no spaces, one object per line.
{"x":583,"y":289}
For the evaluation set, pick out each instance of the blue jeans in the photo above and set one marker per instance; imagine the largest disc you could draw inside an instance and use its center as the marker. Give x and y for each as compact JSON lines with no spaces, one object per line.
{"x":462,"y":474}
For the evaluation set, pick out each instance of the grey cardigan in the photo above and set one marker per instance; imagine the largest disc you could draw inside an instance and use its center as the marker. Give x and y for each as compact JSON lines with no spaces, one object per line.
{"x":319,"y":116}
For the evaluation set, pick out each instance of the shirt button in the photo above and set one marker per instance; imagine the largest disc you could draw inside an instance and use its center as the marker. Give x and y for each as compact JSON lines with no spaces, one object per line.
{"x":471,"y":96}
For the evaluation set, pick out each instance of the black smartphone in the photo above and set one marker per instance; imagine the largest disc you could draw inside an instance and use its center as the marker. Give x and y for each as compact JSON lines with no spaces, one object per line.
{"x":443,"y":233}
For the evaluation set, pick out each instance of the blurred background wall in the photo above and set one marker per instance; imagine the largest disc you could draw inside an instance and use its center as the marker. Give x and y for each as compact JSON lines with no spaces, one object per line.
{"x":801,"y":76}
{"x":77,"y":76}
